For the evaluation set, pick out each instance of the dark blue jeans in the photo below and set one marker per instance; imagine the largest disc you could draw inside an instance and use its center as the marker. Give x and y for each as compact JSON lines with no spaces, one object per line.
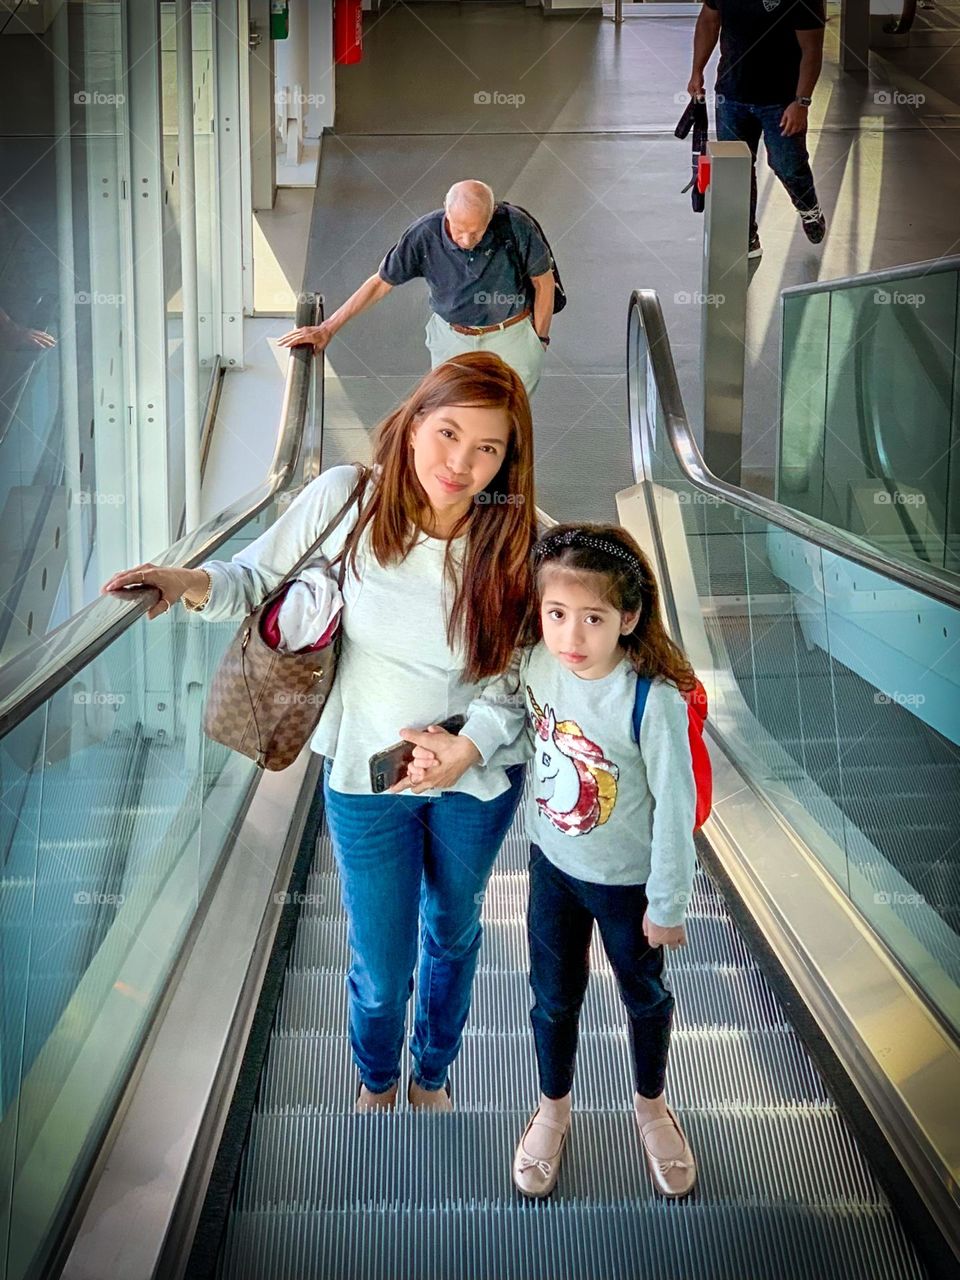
{"x":788,"y":158}
{"x":413,"y":865}
{"x":560,"y":920}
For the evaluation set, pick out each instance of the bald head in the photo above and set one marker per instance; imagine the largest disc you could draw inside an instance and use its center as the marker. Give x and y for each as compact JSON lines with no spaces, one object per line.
{"x":468,"y":206}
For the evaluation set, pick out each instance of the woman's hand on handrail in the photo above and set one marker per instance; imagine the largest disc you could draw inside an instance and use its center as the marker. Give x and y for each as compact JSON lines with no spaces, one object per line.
{"x":439,"y":759}
{"x":171,"y":583}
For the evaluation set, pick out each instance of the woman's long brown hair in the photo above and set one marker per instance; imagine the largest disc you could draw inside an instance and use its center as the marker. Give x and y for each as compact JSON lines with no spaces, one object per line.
{"x":626,"y":581}
{"x":493,"y":601}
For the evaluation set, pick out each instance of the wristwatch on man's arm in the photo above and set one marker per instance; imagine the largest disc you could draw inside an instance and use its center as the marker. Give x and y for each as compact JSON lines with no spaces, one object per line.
{"x":801,"y":101}
{"x":545,"y":341}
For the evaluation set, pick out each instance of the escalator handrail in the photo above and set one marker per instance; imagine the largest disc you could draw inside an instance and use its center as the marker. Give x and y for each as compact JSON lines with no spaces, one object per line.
{"x":34,"y":675}
{"x":645,"y":314}
{"x":889,"y":275}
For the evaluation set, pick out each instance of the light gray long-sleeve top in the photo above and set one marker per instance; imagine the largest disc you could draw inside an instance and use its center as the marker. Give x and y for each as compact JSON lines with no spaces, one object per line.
{"x":600,"y":807}
{"x":396,"y":668}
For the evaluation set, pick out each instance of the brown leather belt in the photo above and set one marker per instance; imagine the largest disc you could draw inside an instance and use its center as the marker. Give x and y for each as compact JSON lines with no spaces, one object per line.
{"x":474,"y":331}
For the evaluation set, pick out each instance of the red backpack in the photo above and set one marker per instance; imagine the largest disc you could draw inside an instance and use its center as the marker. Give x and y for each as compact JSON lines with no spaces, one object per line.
{"x":696,"y":700}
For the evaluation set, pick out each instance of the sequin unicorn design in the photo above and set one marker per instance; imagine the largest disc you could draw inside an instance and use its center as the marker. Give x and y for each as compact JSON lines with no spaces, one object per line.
{"x":576,"y":785}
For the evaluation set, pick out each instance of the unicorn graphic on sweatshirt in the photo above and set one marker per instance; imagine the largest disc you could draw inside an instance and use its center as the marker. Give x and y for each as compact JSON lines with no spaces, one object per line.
{"x":576,"y":785}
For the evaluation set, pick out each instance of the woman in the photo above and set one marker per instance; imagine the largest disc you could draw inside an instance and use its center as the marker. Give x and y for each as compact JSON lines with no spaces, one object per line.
{"x":436,"y":599}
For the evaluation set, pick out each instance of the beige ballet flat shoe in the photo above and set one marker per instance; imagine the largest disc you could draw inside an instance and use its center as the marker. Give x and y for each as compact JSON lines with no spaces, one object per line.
{"x":534,"y":1177}
{"x":675,"y":1175}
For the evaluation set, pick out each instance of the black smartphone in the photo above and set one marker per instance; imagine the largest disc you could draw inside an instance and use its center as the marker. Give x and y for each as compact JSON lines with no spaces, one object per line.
{"x":389,"y":766}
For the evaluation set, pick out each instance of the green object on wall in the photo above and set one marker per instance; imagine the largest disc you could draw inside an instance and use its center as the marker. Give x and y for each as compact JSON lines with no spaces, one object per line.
{"x":279,"y":19}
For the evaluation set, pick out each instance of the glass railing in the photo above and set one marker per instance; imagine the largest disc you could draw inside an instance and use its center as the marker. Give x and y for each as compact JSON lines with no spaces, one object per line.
{"x":832,"y":676}
{"x":870,"y":408}
{"x":116,"y":813}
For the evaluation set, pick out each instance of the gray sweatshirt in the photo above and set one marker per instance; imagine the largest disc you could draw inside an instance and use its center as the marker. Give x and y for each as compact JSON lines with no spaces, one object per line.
{"x":601,"y":809}
{"x":396,"y":669}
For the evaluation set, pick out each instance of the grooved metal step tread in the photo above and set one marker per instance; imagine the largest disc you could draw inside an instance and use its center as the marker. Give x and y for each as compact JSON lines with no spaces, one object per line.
{"x":323,"y":943}
{"x":324,"y":1194}
{"x":769,"y":1156}
{"x":527,"y":1241}
{"x":708,"y":995}
{"x":494,"y":1068}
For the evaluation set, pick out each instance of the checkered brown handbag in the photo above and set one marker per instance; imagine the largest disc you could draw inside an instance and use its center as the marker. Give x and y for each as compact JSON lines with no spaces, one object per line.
{"x":266,"y":704}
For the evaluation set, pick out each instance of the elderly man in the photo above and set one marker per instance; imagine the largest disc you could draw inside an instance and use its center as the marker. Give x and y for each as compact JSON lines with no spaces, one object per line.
{"x":490,"y":277}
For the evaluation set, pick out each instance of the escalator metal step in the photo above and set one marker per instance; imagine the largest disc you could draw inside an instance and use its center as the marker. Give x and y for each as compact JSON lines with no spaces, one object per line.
{"x":744,"y":1068}
{"x":324,"y":1194}
{"x":572,"y":1242}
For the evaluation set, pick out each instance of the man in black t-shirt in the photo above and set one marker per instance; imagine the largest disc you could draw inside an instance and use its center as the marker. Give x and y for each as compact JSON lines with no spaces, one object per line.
{"x":770,"y":57}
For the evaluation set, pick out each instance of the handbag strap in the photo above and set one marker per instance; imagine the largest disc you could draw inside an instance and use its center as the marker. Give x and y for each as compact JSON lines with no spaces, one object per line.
{"x":356,"y":495}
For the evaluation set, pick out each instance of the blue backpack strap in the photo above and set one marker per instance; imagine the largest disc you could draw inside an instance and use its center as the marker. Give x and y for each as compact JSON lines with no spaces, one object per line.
{"x":643,"y":688}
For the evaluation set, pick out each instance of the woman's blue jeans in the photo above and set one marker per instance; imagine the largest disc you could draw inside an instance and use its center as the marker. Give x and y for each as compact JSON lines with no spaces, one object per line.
{"x":413,"y":869}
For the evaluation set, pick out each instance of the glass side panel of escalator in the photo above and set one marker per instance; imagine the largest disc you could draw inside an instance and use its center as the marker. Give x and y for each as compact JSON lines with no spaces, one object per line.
{"x":837,"y":691}
{"x":870,"y":412}
{"x":115,"y":811}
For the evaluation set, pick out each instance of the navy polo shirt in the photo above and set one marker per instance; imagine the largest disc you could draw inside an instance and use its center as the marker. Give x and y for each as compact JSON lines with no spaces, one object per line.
{"x":479,"y":286}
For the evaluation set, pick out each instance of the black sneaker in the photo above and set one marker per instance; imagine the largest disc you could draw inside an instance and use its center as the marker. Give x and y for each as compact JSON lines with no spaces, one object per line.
{"x":814,"y":224}
{"x":755,"y":248}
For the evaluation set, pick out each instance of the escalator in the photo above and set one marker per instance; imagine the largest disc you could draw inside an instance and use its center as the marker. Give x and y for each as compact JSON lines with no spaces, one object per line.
{"x":786,"y":1188}
{"x":825,"y":1138}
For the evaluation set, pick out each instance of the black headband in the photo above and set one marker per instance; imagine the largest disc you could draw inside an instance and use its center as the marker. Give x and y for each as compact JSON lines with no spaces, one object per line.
{"x":577,"y":538}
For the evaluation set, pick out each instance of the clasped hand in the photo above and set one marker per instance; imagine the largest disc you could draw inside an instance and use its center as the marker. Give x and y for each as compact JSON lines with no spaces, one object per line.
{"x":439,"y":759}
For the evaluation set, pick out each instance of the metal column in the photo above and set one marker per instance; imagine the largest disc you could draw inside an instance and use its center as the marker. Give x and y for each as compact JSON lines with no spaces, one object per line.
{"x":724,"y":306}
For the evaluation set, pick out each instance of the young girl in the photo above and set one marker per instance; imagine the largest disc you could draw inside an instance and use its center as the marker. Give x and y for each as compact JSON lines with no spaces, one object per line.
{"x":611,"y":831}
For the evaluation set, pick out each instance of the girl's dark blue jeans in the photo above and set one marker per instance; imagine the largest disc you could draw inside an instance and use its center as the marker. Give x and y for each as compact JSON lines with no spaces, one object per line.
{"x":560,"y":919}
